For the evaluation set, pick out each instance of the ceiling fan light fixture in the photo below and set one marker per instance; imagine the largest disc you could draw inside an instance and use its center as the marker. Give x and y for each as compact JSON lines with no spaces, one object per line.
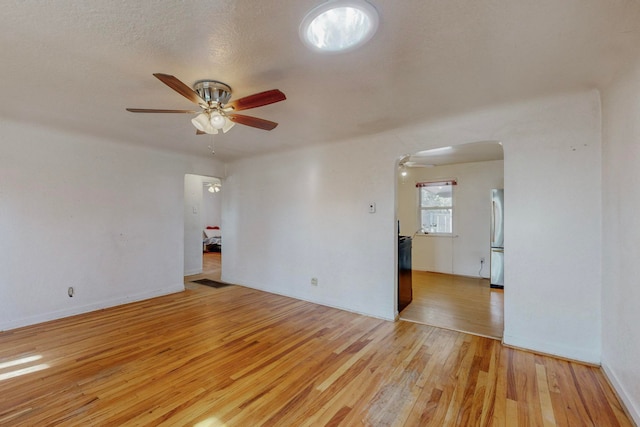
{"x":339,"y":25}
{"x":228,"y":124}
{"x":203,"y":124}
{"x":217,"y":120}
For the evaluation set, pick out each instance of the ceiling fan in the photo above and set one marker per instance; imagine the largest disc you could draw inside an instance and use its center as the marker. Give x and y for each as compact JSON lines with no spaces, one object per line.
{"x":216,"y":112}
{"x":413,"y":161}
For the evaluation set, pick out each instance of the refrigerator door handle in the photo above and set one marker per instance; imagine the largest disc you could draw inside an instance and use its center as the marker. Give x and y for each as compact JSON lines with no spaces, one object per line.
{"x":493,"y":222}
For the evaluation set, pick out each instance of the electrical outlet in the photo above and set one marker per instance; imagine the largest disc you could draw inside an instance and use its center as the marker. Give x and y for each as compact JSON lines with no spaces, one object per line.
{"x":314,"y":281}
{"x":70,"y":291}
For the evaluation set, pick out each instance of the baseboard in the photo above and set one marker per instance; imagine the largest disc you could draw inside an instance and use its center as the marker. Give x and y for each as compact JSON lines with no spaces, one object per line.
{"x":72,"y":311}
{"x":555,"y":356}
{"x":325,"y":304}
{"x":466,"y":276}
{"x":629,"y":407}
{"x":557,"y":351}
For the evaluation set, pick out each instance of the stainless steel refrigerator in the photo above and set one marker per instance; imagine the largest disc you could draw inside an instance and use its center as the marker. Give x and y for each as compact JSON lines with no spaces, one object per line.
{"x":497,"y":238}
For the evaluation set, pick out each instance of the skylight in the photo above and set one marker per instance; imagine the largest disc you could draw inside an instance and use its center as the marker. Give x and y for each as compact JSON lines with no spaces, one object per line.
{"x":339,"y":25}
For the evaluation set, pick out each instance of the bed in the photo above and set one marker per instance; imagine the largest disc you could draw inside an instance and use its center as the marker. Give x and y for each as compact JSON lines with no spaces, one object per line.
{"x":212,"y":239}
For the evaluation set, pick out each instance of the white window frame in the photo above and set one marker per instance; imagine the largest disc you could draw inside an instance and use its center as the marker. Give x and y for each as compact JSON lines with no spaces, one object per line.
{"x":421,"y":209}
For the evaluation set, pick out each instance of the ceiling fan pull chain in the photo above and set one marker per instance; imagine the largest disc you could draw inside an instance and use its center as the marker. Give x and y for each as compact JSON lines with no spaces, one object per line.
{"x":212,"y":146}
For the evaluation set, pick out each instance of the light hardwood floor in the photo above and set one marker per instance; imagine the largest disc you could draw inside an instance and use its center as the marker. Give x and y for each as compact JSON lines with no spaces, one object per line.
{"x":240,"y":357}
{"x":211,"y":267}
{"x":460,"y":303}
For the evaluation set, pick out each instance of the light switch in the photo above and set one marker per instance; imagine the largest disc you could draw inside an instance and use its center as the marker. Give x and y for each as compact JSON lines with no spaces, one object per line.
{"x":195,"y":209}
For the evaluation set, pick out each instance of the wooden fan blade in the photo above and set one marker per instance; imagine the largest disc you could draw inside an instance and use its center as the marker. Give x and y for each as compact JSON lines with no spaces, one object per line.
{"x":252,"y":121}
{"x":150,"y":110}
{"x":180,"y":87}
{"x":257,"y":100}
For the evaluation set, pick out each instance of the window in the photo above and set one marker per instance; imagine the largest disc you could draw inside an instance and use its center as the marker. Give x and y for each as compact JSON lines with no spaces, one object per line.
{"x":436,"y":206}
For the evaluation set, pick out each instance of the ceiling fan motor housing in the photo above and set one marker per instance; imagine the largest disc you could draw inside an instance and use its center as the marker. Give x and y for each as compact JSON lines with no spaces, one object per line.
{"x":213,"y":91}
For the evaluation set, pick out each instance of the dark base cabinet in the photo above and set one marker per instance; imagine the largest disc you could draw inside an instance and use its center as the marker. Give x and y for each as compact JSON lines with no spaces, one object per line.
{"x":405,"y":289}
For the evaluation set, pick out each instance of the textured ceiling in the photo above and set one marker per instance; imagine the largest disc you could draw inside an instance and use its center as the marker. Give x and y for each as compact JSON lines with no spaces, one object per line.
{"x":76,"y":65}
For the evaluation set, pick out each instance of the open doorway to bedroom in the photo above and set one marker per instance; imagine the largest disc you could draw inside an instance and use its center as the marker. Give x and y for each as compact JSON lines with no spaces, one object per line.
{"x":202,"y":228}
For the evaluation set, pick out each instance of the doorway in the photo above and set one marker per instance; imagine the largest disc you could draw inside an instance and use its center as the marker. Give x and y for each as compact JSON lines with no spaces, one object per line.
{"x":202,"y":227}
{"x":451,"y":251}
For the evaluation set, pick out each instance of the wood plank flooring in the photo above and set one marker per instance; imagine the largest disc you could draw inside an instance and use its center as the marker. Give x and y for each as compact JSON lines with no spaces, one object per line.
{"x":240,"y":357}
{"x":459,"y":303}
{"x":211,"y":267}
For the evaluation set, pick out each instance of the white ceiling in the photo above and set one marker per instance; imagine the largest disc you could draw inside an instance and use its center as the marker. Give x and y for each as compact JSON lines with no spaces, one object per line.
{"x":480,"y":151}
{"x":76,"y":65}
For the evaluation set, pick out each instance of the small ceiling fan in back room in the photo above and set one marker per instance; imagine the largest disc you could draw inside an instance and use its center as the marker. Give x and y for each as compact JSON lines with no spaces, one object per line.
{"x":216,"y":112}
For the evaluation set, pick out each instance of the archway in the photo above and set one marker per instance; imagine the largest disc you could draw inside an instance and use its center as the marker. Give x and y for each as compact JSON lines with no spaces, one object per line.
{"x":450,"y":188}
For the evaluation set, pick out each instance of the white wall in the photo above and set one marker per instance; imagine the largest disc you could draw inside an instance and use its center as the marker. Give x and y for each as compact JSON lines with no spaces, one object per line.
{"x":621,"y":236}
{"x":553,"y":234}
{"x":101,"y":216}
{"x":303,"y":214}
{"x":211,"y":207}
{"x":471,"y":217}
